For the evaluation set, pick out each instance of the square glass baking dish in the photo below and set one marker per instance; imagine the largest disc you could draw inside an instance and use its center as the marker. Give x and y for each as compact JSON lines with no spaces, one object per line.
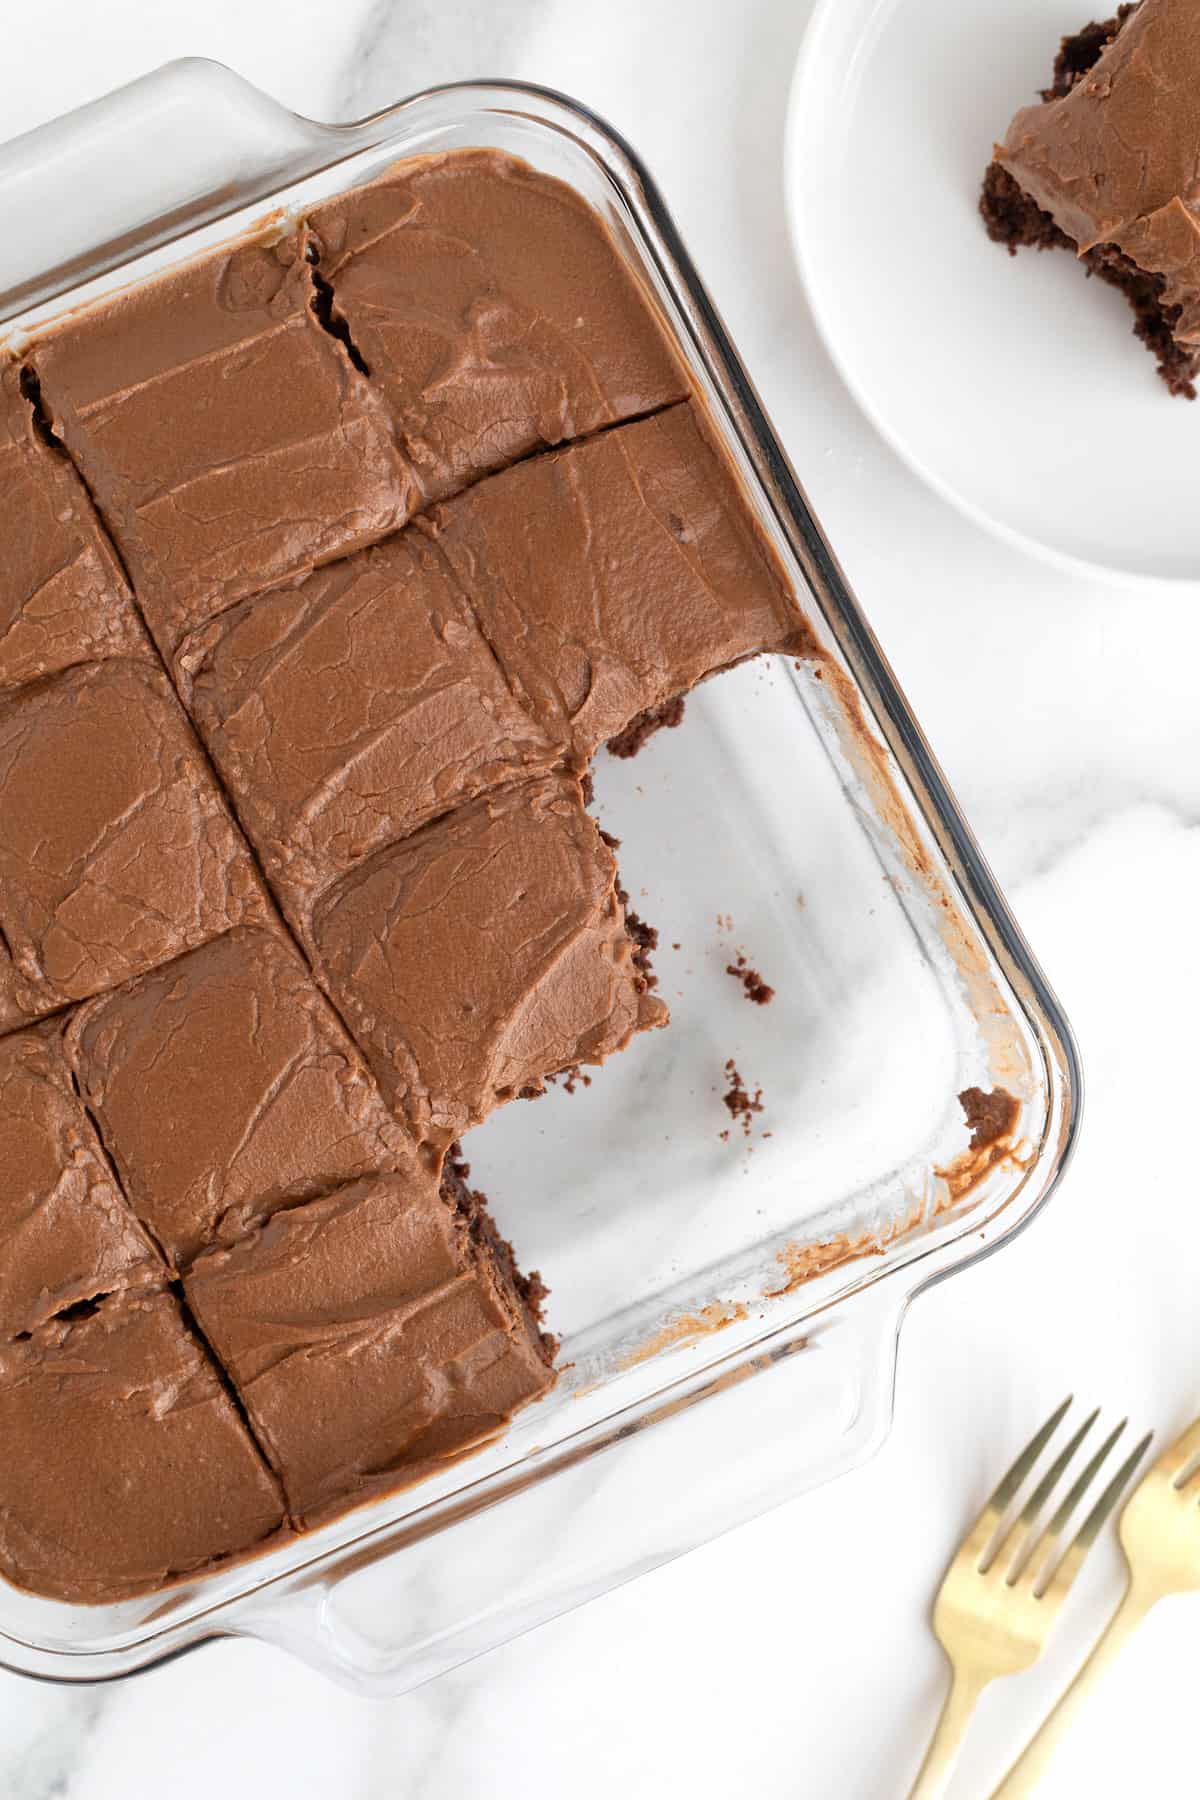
{"x":729,"y":1305}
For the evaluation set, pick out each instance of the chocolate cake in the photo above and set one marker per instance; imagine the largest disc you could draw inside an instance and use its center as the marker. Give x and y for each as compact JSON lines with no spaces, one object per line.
{"x":297,"y":876}
{"x":654,"y":582}
{"x":117,"y":850}
{"x":63,"y":597}
{"x":1106,"y":165}
{"x":347,"y":711}
{"x":483,"y":954}
{"x":487,"y":303}
{"x":228,"y":439}
{"x":370,"y":1336}
{"x":126,"y":1463}
{"x":66,"y":1232}
{"x":225,"y":1087}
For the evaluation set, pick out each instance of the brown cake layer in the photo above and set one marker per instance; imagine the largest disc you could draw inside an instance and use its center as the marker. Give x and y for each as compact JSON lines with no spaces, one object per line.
{"x":493,"y":311}
{"x":243,"y":1281}
{"x":483,"y":954}
{"x":1107,"y":165}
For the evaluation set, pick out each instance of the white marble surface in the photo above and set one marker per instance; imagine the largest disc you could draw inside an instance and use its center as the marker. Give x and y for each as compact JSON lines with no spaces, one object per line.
{"x":792,"y":1657}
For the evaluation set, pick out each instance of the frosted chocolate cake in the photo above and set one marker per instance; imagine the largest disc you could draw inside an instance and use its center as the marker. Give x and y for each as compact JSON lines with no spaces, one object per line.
{"x":329,"y":561}
{"x":1108,"y":165}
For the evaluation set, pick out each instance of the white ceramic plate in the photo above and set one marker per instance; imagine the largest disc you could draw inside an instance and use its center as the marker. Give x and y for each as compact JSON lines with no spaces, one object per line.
{"x":1013,"y":385}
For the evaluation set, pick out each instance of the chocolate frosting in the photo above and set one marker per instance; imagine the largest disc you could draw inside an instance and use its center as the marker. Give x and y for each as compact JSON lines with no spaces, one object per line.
{"x":66,"y":1233}
{"x":493,"y":309}
{"x":116,"y":849}
{"x":615,"y":574}
{"x":348,"y":711}
{"x":368,"y":1338}
{"x":125,"y":1463}
{"x":63,"y":598}
{"x":483,"y":954}
{"x":1117,"y":160}
{"x":398,"y":710}
{"x":229,"y":440}
{"x":224,"y":1087}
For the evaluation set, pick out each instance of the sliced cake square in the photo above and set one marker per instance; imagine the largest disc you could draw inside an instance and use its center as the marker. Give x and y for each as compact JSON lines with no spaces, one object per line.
{"x":493,"y":309}
{"x":348,"y":710}
{"x":370,"y":1336}
{"x":483,"y":954}
{"x":229,"y":440}
{"x":225,"y":1086}
{"x":117,"y":850}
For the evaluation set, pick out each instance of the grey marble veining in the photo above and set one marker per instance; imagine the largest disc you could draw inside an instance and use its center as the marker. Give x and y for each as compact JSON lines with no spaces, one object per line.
{"x":406,"y":45}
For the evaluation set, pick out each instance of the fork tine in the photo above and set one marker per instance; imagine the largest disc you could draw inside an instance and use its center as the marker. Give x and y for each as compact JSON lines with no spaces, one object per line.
{"x":1031,"y":1510}
{"x":1049,"y":1536}
{"x":980,"y":1534}
{"x":1182,"y":1451}
{"x":1182,"y":1459}
{"x":1071,"y":1560}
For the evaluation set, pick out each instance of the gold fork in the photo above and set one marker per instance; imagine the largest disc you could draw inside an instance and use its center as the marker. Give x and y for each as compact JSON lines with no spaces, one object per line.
{"x":1003,"y":1591}
{"x":1160,"y":1535}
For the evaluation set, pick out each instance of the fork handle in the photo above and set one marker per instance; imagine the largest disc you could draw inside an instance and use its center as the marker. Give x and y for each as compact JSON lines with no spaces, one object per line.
{"x":1031,"y":1765}
{"x":934,"y":1776}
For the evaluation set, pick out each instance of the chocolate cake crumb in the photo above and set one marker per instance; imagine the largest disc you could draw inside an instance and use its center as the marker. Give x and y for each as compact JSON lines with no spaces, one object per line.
{"x":990,"y":1116}
{"x":643,"y":937}
{"x":1013,"y":219}
{"x":741,"y":1102}
{"x":324,"y":310}
{"x":1016,"y":221}
{"x":755,"y":988}
{"x":643,"y":726}
{"x":571,"y":1078}
{"x":1078,"y":54}
{"x":473,"y":1206}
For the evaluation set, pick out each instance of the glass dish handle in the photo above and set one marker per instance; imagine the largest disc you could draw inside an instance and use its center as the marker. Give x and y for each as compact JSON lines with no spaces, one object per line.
{"x":383,"y":1623}
{"x":173,"y":151}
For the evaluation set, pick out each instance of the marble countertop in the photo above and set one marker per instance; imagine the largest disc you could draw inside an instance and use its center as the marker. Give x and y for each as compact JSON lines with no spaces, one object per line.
{"x":791,"y":1657}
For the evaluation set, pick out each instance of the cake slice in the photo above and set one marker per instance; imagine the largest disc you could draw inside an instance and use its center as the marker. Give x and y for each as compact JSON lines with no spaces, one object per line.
{"x":117,"y":850}
{"x":227,"y":437}
{"x":1108,"y":165}
{"x":371,"y":1335}
{"x":611,"y":576}
{"x":348,"y":710}
{"x":225,"y":1087}
{"x":125,"y":1462}
{"x":483,"y":954}
{"x":493,"y":309}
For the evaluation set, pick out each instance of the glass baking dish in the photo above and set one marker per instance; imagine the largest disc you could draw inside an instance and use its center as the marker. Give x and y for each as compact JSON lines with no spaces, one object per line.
{"x":729,"y":1305}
